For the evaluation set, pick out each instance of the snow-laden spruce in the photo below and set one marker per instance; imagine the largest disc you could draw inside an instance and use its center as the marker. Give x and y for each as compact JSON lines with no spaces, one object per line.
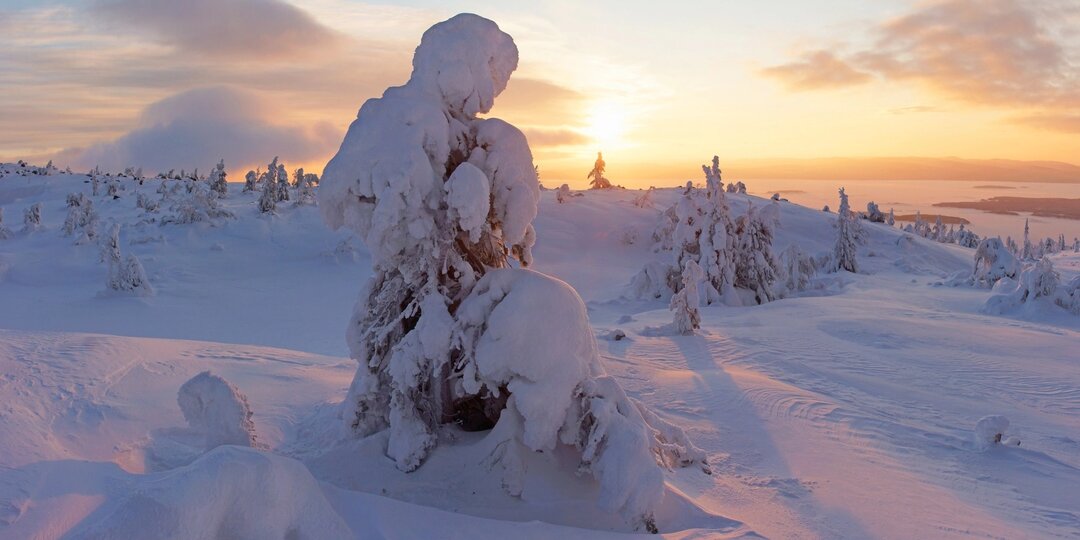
{"x":32,"y":217}
{"x":5,"y":232}
{"x":216,"y":409}
{"x":685,"y":302}
{"x":596,"y":175}
{"x":756,"y":268}
{"x":125,"y":275}
{"x":446,"y":331}
{"x":846,"y":237}
{"x":993,"y":261}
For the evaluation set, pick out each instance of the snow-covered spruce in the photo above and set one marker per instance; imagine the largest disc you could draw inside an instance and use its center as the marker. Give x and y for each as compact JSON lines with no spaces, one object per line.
{"x":126,"y":275}
{"x":1037,"y":281}
{"x":685,"y":302}
{"x":251,"y":179}
{"x":844,"y":252}
{"x":993,"y":261}
{"x":282,"y":176}
{"x":82,"y":220}
{"x":705,"y":233}
{"x":32,"y":217}
{"x":596,"y":175}
{"x":445,"y":331}
{"x":216,"y":409}
{"x":268,"y":196}
{"x":873,"y":213}
{"x":562,"y":194}
{"x":219,"y":186}
{"x":5,"y":232}
{"x":756,"y":268}
{"x":798,"y":270}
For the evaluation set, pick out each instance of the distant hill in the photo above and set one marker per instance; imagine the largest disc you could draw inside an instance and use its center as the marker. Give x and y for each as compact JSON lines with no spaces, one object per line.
{"x":905,"y":168}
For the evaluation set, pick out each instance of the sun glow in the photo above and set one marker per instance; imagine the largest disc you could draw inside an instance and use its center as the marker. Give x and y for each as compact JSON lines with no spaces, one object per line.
{"x":606,"y":124}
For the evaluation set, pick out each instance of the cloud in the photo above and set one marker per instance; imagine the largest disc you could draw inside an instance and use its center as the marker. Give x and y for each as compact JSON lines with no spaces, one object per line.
{"x":542,"y":137}
{"x":991,"y":52}
{"x":1067,"y":123}
{"x":200,"y":126}
{"x":816,"y":69}
{"x":221,"y":28}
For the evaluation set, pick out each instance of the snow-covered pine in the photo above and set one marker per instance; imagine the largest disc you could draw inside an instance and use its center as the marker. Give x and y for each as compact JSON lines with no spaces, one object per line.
{"x":32,"y":218}
{"x":873,"y":213}
{"x":5,"y":232}
{"x":219,"y":186}
{"x":1029,"y":251}
{"x":1036,"y":281}
{"x":81,"y":218}
{"x":596,"y":175}
{"x":993,"y":261}
{"x":125,"y":275}
{"x":218,"y":410}
{"x":268,"y":195}
{"x":250,"y":180}
{"x":685,"y":303}
{"x":705,"y":233}
{"x":644,"y":200}
{"x":562,"y":194}
{"x":798,"y":270}
{"x":756,"y":268}
{"x":445,"y":330}
{"x":282,"y":193}
{"x":891,"y":220}
{"x":844,"y":252}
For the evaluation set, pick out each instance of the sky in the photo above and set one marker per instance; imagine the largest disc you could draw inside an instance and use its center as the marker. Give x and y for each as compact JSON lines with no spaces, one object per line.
{"x":659,"y":87}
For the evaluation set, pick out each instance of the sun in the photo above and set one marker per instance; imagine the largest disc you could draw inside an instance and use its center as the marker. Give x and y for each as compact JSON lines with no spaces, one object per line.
{"x":606,"y":124}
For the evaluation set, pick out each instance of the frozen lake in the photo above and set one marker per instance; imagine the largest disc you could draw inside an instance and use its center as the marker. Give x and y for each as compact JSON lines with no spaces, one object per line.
{"x":907,"y":196}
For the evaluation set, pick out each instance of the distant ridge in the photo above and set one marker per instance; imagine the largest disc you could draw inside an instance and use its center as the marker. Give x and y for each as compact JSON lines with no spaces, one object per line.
{"x":903,"y":168}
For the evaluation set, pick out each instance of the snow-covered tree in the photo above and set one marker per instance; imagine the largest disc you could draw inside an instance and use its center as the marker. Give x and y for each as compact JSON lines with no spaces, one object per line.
{"x":125,"y":275}
{"x":305,"y":190}
{"x":219,"y":185}
{"x":201,"y":204}
{"x":447,"y":331}
{"x":873,"y":213}
{"x":967,"y":238}
{"x":844,"y":252}
{"x":705,"y":233}
{"x":1068,"y":296}
{"x":1036,"y":281}
{"x":756,"y":268}
{"x":798,"y":270}
{"x":891,"y":219}
{"x":95,"y":181}
{"x":5,"y":232}
{"x":32,"y":218}
{"x":1029,"y":250}
{"x":282,"y":193}
{"x":644,"y":200}
{"x":268,"y":197}
{"x":685,"y":302}
{"x":81,"y":219}
{"x":596,"y":175}
{"x":251,"y":179}
{"x":1076,"y":245}
{"x":825,"y":209}
{"x":562,"y":194}
{"x":218,"y":410}
{"x":938,"y":234}
{"x":993,"y":261}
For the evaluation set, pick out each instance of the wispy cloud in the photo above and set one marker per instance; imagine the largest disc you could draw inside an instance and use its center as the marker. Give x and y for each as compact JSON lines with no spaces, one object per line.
{"x":999,"y":53}
{"x":815,"y":70}
{"x":200,"y":126}
{"x":250,"y":29}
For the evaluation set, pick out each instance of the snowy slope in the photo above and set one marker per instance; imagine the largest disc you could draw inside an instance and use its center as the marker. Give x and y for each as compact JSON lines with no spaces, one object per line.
{"x":844,"y":413}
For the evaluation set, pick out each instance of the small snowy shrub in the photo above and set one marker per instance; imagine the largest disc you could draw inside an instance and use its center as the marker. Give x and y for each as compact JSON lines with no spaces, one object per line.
{"x":126,"y":275}
{"x":218,"y":410}
{"x":798,"y":270}
{"x":199,"y":205}
{"x":562,"y":194}
{"x":990,"y":431}
{"x":1068,"y":296}
{"x":5,"y":232}
{"x":82,"y":219}
{"x":644,"y":200}
{"x":219,"y":185}
{"x":873,"y":213}
{"x":993,"y":261}
{"x":655,"y":280}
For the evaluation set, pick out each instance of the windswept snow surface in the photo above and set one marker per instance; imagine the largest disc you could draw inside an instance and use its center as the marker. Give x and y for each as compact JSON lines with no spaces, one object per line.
{"x":847,"y":412}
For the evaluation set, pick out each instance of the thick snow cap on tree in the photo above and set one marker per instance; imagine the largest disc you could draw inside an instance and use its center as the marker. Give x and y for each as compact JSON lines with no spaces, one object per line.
{"x":384,"y":177}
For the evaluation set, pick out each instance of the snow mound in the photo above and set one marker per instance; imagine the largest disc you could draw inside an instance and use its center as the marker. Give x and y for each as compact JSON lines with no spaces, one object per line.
{"x":219,"y":496}
{"x":538,"y":344}
{"x":990,"y":431}
{"x":217,"y":409}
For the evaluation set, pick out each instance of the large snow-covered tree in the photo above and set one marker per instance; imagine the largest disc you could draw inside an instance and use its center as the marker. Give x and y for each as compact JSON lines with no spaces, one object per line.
{"x":993,"y":261}
{"x":447,"y":330}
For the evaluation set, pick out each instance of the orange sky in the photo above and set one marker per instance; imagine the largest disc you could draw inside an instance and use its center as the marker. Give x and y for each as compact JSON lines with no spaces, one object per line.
{"x":658,"y":89}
